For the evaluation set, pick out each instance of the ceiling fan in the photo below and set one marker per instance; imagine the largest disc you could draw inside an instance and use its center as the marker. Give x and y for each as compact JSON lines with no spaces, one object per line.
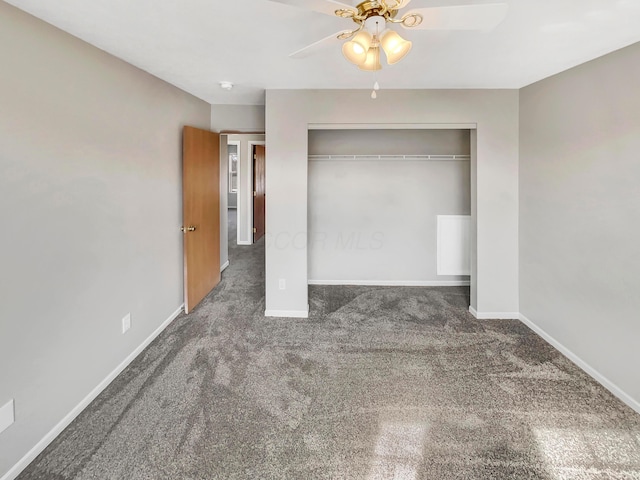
{"x":371,"y":33}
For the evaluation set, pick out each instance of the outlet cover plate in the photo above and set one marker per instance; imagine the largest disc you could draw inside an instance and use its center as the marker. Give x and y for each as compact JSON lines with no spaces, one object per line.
{"x":7,"y":415}
{"x":126,"y":323}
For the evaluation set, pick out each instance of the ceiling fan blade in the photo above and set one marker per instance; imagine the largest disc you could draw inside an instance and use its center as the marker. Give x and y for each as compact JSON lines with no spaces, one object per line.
{"x":327,"y":7}
{"x":317,"y":46}
{"x":461,"y":17}
{"x":404,"y":3}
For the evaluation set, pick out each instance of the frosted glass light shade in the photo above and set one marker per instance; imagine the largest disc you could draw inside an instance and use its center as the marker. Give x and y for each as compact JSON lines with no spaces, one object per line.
{"x":372,"y":62}
{"x":394,"y":46}
{"x":356,"y":50}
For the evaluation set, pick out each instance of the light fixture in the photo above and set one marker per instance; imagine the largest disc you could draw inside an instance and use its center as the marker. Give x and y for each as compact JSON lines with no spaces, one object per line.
{"x":372,"y":35}
{"x":356,"y":50}
{"x":364,"y":43}
{"x":372,"y":60}
{"x":226,"y":85}
{"x":364,"y":47}
{"x":394,"y":46}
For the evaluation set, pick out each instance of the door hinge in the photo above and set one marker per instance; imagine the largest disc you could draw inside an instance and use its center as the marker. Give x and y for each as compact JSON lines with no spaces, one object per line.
{"x":255,"y":194}
{"x":255,"y":157}
{"x":255,"y":230}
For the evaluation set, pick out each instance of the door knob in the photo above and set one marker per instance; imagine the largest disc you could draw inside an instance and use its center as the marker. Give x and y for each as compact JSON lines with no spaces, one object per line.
{"x":188,"y":229}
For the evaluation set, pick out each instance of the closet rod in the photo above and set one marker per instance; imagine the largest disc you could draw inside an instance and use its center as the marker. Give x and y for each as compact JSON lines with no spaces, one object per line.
{"x":388,"y":157}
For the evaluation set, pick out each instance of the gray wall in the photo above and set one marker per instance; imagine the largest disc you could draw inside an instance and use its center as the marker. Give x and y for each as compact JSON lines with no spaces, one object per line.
{"x":495,"y":112}
{"x":375,"y":220}
{"x":90,"y":203}
{"x":237,"y":118}
{"x":389,"y":142}
{"x":580,"y":213}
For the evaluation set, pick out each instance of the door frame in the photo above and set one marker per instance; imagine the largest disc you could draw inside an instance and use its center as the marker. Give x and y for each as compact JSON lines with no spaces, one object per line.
{"x":245,"y":199}
{"x":250,"y":145}
{"x":224,"y":201}
{"x":236,"y":143}
{"x":254,"y":190}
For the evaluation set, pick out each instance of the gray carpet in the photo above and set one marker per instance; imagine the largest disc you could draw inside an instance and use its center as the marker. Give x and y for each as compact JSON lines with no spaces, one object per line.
{"x":379,"y":383}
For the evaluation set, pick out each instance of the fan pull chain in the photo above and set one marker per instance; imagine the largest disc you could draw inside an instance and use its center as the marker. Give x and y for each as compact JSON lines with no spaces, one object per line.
{"x":376,"y":85}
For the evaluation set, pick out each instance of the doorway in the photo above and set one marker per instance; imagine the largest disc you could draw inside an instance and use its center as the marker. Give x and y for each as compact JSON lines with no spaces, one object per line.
{"x":238,"y":176}
{"x":259,"y":202}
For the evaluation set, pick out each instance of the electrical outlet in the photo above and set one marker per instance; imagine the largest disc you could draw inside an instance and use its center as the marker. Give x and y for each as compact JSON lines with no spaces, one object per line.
{"x":282,"y":284}
{"x":126,"y":323}
{"x":7,"y":415}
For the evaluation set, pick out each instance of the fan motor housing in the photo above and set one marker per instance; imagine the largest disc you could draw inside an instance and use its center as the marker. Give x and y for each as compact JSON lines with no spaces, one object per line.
{"x":370,"y":8}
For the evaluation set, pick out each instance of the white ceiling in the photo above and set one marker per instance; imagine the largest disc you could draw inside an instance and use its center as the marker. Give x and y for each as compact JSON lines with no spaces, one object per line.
{"x":195,"y":44}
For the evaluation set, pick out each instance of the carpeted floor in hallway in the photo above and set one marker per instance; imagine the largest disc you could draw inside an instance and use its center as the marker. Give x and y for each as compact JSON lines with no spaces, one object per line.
{"x":379,"y":383}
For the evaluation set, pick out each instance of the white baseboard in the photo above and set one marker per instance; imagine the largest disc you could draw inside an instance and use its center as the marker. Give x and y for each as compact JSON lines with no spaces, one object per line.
{"x":287,"y":313}
{"x":244,"y":242}
{"x":597,"y":376}
{"x":64,"y":423}
{"x":394,"y":283}
{"x":494,"y":315}
{"x":224,"y":266}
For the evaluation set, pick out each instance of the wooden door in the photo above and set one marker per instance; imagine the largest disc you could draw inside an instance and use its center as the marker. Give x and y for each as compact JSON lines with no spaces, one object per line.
{"x":201,"y":213}
{"x":258,"y":192}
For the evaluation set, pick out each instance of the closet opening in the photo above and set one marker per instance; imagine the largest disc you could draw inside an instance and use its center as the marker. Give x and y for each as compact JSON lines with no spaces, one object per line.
{"x":392,"y":207}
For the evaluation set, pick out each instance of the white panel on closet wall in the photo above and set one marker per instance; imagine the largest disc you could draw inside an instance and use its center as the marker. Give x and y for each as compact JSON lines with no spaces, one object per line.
{"x":454,"y":245}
